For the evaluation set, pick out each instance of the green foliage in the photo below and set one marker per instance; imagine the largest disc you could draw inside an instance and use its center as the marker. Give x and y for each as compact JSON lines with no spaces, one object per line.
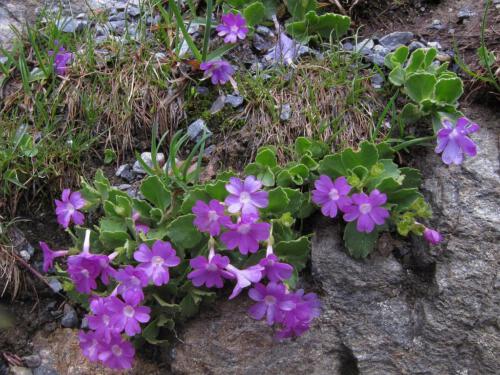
{"x":326,"y":26}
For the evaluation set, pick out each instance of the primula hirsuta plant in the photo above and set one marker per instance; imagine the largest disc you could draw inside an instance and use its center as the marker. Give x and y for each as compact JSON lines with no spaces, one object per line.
{"x":150,"y":262}
{"x":453,"y":140}
{"x":62,"y":59}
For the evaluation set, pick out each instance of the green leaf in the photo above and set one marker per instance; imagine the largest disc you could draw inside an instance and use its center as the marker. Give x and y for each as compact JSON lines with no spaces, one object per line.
{"x":366,"y":156}
{"x":429,"y":57}
{"x":113,"y":232}
{"x":413,"y":177}
{"x":192,"y":196}
{"x":266,"y":157}
{"x":299,"y":8}
{"x":150,"y":333}
{"x":359,"y":244}
{"x":420,"y":86}
{"x":183,"y":233}
{"x":411,"y":113}
{"x":400,"y":55}
{"x":309,"y":162}
{"x":254,"y":13}
{"x":295,"y":198}
{"x":416,"y":60}
{"x":278,"y":202}
{"x":326,"y":26}
{"x":448,"y":90}
{"x":306,"y":146}
{"x":332,"y":166}
{"x":266,"y":176}
{"x":109,"y":156}
{"x":486,"y":57}
{"x":295,"y":252}
{"x":404,"y":198}
{"x":397,"y":76}
{"x":155,"y":191}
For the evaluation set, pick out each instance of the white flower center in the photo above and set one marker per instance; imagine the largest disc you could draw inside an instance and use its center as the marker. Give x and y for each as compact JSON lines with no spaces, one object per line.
{"x":244,"y":228}
{"x":244,"y":197}
{"x":454,"y":134}
{"x":333,"y":194}
{"x":117,"y":351}
{"x":270,"y":300}
{"x":85,"y":273}
{"x":128,"y":311}
{"x":135,"y":280}
{"x":365,"y":208}
{"x":234,"y":28}
{"x":157,"y":260}
{"x":105,"y":319}
{"x":211,"y":267}
{"x":212,"y":215}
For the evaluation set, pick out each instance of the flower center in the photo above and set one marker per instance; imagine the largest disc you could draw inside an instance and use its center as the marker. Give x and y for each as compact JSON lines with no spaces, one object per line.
{"x":157,"y":260}
{"x":454,"y":134}
{"x":128,"y":311}
{"x":234,"y":28}
{"x":85,"y":273}
{"x":244,"y":197}
{"x":212,"y":215}
{"x":117,"y":351}
{"x":270,"y":300}
{"x":333,"y":194}
{"x":211,"y":267}
{"x":135,"y":281}
{"x":364,"y":208}
{"x":105,"y":319}
{"x":244,"y":228}
{"x":70,"y":208}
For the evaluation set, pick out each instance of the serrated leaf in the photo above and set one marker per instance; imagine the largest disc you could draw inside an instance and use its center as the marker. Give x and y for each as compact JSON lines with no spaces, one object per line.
{"x":420,"y":86}
{"x":254,"y":13}
{"x":327,"y":25}
{"x":397,"y":76}
{"x":359,"y":244}
{"x":410,"y":113}
{"x":416,"y":60}
{"x":366,"y":156}
{"x":278,"y":202}
{"x":183,"y":233}
{"x":295,"y":252}
{"x":448,"y":90}
{"x":155,"y":191}
{"x":266,"y":157}
{"x":299,"y":8}
{"x":332,"y":166}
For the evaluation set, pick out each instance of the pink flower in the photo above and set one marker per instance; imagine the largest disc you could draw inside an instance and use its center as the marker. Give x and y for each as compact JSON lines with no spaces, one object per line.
{"x":366,"y":209}
{"x":61,"y":60}
{"x":453,"y":141}
{"x":117,"y":354}
{"x":209,"y":272}
{"x":268,"y":300}
{"x":246,"y":234}
{"x":219,"y":71}
{"x":210,"y":218}
{"x":274,"y":269}
{"x":49,"y":255}
{"x":331,"y":195}
{"x":246,"y":196}
{"x":431,"y":236}
{"x":244,"y":277}
{"x":298,"y":312}
{"x":100,"y":320}
{"x":233,"y":26}
{"x":132,"y":280}
{"x":67,"y":208}
{"x":127,"y":315}
{"x":90,"y":345}
{"x":157,"y":261}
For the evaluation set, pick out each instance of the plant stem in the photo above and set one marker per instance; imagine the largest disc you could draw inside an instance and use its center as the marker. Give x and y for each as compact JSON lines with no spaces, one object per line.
{"x":413,"y":142}
{"x":208,"y":28}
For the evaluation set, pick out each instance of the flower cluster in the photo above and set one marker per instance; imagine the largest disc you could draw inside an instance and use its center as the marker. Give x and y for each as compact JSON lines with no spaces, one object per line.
{"x":232,"y":28}
{"x":62,"y":59}
{"x":236,"y":222}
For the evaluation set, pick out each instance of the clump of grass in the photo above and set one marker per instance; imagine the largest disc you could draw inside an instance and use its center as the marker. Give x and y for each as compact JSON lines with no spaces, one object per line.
{"x":11,"y":277}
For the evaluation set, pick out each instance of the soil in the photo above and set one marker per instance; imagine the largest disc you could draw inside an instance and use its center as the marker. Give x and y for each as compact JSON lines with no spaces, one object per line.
{"x":39,"y":309}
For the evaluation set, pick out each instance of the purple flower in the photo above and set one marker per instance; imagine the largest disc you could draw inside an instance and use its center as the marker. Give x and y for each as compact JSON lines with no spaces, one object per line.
{"x":67,"y":208}
{"x":246,"y":196}
{"x":331,"y":196}
{"x":233,"y":26}
{"x":274,"y":269}
{"x":366,"y":209}
{"x":453,"y":141}
{"x":117,"y":354}
{"x":210,"y":218}
{"x":139,"y":226}
{"x":157,"y":261}
{"x":209,"y":271}
{"x":298,"y":312}
{"x":268,"y":300}
{"x":244,"y":277}
{"x":246,"y":234}
{"x":127,"y":315}
{"x":431,"y":236}
{"x":61,"y":60}
{"x":132,"y":280}
{"x":219,"y":71}
{"x":90,"y":345}
{"x":49,"y":255}
{"x":100,"y":321}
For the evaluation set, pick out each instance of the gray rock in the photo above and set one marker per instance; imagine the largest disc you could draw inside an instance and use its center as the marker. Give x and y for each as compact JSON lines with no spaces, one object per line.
{"x":209,"y":150}
{"x":133,"y":11}
{"x":261,"y":43}
{"x":125,"y":171}
{"x":70,"y":24}
{"x":148,"y":160}
{"x":45,"y":370}
{"x":218,"y":104}
{"x":124,"y":187}
{"x":364,"y":46}
{"x":234,"y":100}
{"x":202,"y":90}
{"x":415,"y":45}
{"x":465,"y":13}
{"x":70,"y":317}
{"x":436,"y":45}
{"x":55,"y":285}
{"x":438,"y":25}
{"x":376,"y":59}
{"x":32,"y":361}
{"x":286,"y":112}
{"x":266,"y":31}
{"x":196,"y":129}
{"x":16,"y":370}
{"x":381,"y":50}
{"x":118,"y":26}
{"x":396,"y":39}
{"x":347,"y":46}
{"x":118,"y":17}
{"x":377,"y":81}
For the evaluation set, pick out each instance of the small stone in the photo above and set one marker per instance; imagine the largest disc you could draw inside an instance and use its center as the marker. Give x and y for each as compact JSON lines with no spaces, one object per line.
{"x":415,"y":45}
{"x":364,"y":46}
{"x":81,"y":16}
{"x":396,"y":39}
{"x":152,"y":21}
{"x":16,"y":370}
{"x":218,"y":104}
{"x":148,"y":159}
{"x":209,"y":150}
{"x":193,"y":28}
{"x":381,"y":50}
{"x":376,"y":59}
{"x":257,"y":67}
{"x":262,"y":44}
{"x":438,"y":25}
{"x":118,"y":17}
{"x":263,"y":30}
{"x":70,"y":24}
{"x":125,"y":171}
{"x":286,"y":112}
{"x":443,"y":57}
{"x":70,"y":318}
{"x":50,"y":327}
{"x":133,"y":11}
{"x":117,"y":26}
{"x":465,"y":13}
{"x":55,"y":285}
{"x":234,"y":100}
{"x":124,"y":187}
{"x":32,"y":361}
{"x":202,"y":90}
{"x":436,"y":45}
{"x":347,"y":46}
{"x":377,"y":81}
{"x":25,"y":255}
{"x":196,"y":129}
{"x":3,"y":59}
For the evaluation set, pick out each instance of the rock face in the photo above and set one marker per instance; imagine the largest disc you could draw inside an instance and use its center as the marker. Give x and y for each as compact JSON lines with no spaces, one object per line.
{"x":428,"y":311}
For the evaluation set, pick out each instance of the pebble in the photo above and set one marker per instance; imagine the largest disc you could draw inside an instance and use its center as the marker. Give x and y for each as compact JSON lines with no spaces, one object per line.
{"x":25,"y":255}
{"x":117,"y":17}
{"x":196,"y":129}
{"x":55,"y":285}
{"x":209,"y":150}
{"x":436,"y":45}
{"x":364,"y":46}
{"x":347,"y":46}
{"x":263,"y":30}
{"x":148,"y":159}
{"x":286,"y":112}
{"x":381,"y":50}
{"x":376,"y":59}
{"x":32,"y":361}
{"x":377,"y":81}
{"x":262,"y":44}
{"x":415,"y":45}
{"x":45,"y":370}
{"x":16,"y":370}
{"x":438,"y":25}
{"x":234,"y":100}
{"x":70,"y":317}
{"x":125,"y":171}
{"x":396,"y":39}
{"x":443,"y":57}
{"x":133,"y":11}
{"x":465,"y":13}
{"x":70,"y":24}
{"x":118,"y":26}
{"x":124,"y":187}
{"x":218,"y":104}
{"x":202,"y":90}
